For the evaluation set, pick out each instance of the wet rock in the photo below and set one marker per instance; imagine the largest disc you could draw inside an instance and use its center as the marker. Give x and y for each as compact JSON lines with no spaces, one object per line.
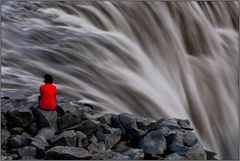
{"x":66,"y":138}
{"x":5,"y":134}
{"x":185,"y":124}
{"x":70,"y":118}
{"x":153,"y":143}
{"x":96,"y":147}
{"x":41,"y":144}
{"x":27,"y":151}
{"x":18,"y":141}
{"x":174,"y":156}
{"x":171,"y":123}
{"x":51,"y":117}
{"x":16,"y":130}
{"x":105,"y":118}
{"x":67,"y":153}
{"x":20,"y":117}
{"x":47,"y":132}
{"x":110,"y":136}
{"x":185,"y":143}
{"x":87,"y":127}
{"x":82,"y":140}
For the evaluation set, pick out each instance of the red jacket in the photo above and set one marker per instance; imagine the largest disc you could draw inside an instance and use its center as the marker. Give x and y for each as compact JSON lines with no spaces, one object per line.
{"x":48,"y":97}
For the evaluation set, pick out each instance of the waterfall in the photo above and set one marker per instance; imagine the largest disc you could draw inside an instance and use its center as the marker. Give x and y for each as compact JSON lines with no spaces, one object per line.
{"x":154,"y":59}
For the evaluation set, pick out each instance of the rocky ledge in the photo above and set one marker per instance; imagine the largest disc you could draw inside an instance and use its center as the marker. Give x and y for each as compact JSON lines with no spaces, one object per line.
{"x":87,"y":133}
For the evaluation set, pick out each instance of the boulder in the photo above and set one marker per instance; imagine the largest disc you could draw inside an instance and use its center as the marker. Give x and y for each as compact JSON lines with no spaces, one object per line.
{"x":210,"y":155}
{"x":171,"y":123}
{"x":32,"y":129}
{"x":110,"y":136}
{"x":185,"y":143}
{"x":184,"y":124}
{"x":70,"y":118}
{"x":18,"y":141}
{"x":174,"y":156}
{"x":111,"y":155}
{"x":51,"y":117}
{"x":41,"y":144}
{"x":96,"y":147}
{"x":82,"y":140}
{"x":16,"y":130}
{"x":93,"y":139}
{"x":20,"y":117}
{"x":88,"y":127}
{"x":5,"y":134}
{"x":3,"y":120}
{"x":27,"y":151}
{"x":153,"y":143}
{"x":66,"y":138}
{"x":133,"y":154}
{"x":105,"y":118}
{"x":67,"y":153}
{"x":47,"y":132}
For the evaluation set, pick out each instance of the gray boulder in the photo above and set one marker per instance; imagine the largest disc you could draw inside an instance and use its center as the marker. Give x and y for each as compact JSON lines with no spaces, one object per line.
{"x":210,"y":155}
{"x":93,"y":139}
{"x":111,"y":155}
{"x":185,"y":124}
{"x":82,"y":140}
{"x":27,"y":151}
{"x":110,"y":136}
{"x":32,"y":129}
{"x":96,"y":147}
{"x":51,"y":117}
{"x":18,"y":141}
{"x":70,"y":118}
{"x":5,"y":134}
{"x":66,"y":138}
{"x":153,"y":143}
{"x":41,"y":144}
{"x":16,"y":130}
{"x":105,"y":118}
{"x":171,"y":123}
{"x":174,"y":156}
{"x":47,"y":132}
{"x":19,"y":117}
{"x":67,"y":153}
{"x":3,"y":120}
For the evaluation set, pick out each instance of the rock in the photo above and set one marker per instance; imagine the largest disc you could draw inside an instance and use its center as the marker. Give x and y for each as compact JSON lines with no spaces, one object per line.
{"x":18,"y":141}
{"x":133,"y":154}
{"x":153,"y":143}
{"x":47,"y":132}
{"x":171,"y":123}
{"x":16,"y":130}
{"x":185,"y":143}
{"x":93,"y":139}
{"x":96,"y":147}
{"x":5,"y":134}
{"x":184,"y":124}
{"x":134,"y":125}
{"x":27,"y":151}
{"x":110,"y":136}
{"x":32,"y":129}
{"x":174,"y":156}
{"x":164,"y":130}
{"x":28,"y":158}
{"x":110,"y":155}
{"x":27,"y":135}
{"x":41,"y":144}
{"x":70,"y":118}
{"x":20,"y":117}
{"x":105,"y":118}
{"x":67,"y":153}
{"x":66,"y":138}
{"x":51,"y":117}
{"x":3,"y":120}
{"x":210,"y":155}
{"x":87,"y":127}
{"x":82,"y":140}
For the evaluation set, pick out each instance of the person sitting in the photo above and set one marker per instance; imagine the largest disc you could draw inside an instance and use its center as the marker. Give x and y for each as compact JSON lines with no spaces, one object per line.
{"x":46,"y":101}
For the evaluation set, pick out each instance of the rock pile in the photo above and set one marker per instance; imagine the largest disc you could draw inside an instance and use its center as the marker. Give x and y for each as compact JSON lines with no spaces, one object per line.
{"x":85,"y":133}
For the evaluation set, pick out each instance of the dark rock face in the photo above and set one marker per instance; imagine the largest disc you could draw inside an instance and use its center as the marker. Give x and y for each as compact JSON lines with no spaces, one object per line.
{"x":5,"y":134}
{"x":110,"y":136}
{"x":66,"y":138}
{"x":18,"y":141}
{"x":70,"y":118}
{"x":153,"y":143}
{"x":67,"y":153}
{"x":51,"y":117}
{"x":84,"y":133}
{"x":21,"y":117}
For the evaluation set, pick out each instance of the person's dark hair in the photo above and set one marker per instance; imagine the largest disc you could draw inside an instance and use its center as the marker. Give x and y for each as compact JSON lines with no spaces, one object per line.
{"x":48,"y":79}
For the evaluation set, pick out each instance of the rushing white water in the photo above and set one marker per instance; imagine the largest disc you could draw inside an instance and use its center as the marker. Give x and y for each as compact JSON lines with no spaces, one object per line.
{"x":158,"y":59}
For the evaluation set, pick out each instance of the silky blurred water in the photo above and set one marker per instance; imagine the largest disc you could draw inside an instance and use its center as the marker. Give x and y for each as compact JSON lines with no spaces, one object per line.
{"x":157,"y":59}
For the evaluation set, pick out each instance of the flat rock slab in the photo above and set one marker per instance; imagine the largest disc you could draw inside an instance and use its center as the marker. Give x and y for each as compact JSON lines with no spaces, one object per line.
{"x":67,"y":153}
{"x":18,"y":141}
{"x":66,"y":138}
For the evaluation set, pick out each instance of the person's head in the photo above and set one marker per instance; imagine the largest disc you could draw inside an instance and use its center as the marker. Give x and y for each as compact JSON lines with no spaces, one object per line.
{"x":48,"y":79}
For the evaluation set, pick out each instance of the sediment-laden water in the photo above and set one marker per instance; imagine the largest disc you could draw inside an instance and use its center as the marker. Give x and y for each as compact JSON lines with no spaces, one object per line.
{"x":158,"y":59}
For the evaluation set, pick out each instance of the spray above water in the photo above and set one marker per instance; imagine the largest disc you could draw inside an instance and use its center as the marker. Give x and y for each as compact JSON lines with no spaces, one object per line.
{"x":155,"y":59}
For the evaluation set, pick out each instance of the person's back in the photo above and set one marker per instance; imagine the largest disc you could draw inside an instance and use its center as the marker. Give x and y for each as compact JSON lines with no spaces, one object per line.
{"x":48,"y":97}
{"x":48,"y":94}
